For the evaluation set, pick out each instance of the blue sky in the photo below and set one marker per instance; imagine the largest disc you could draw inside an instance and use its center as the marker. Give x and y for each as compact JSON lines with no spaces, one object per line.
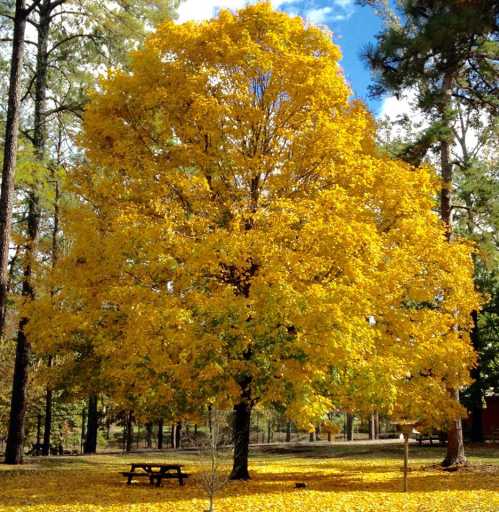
{"x":352,"y":26}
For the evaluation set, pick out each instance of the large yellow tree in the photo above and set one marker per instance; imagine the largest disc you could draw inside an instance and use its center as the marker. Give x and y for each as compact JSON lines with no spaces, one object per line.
{"x":239,"y":240}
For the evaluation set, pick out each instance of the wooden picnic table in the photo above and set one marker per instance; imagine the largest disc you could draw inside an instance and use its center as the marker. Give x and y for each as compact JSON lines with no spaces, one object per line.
{"x":156,"y":472}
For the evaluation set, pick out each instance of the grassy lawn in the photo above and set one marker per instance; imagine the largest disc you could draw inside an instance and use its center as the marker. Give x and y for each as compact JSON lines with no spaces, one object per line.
{"x":338,"y":478}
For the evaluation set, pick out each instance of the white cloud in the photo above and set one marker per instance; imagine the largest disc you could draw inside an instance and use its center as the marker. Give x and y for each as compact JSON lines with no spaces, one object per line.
{"x":340,"y":10}
{"x":204,"y":9}
{"x":318,"y":16}
{"x":198,"y":10}
{"x":392,"y":107}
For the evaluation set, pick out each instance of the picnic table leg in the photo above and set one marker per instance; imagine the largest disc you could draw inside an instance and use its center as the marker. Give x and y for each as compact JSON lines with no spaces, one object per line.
{"x":180,"y":479}
{"x":129,"y":481}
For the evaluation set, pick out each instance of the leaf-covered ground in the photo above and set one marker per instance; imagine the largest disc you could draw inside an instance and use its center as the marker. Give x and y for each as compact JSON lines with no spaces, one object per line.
{"x":353,"y":479}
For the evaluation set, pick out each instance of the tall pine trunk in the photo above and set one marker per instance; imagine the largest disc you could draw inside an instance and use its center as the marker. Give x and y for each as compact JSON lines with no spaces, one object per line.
{"x":455,"y":445}
{"x":15,"y":438}
{"x":13,"y":455}
{"x":15,"y":441}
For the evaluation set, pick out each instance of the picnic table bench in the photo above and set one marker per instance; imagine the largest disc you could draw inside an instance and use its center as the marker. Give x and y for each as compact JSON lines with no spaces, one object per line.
{"x":155,"y":472}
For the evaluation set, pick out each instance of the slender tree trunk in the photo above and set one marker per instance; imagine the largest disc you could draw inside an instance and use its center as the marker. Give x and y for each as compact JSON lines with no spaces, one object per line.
{"x":48,"y":416}
{"x":372,"y":427}
{"x":349,"y":427}
{"x":242,"y":419}
{"x":178,"y":435}
{"x":455,"y":445}
{"x":148,"y":435}
{"x":129,"y":432}
{"x":14,"y":449}
{"x":172,"y":435}
{"x":160,"y":434}
{"x":92,"y":426}
{"x":288,"y":432}
{"x":38,"y":434}
{"x":83,"y":428}
{"x":15,"y":439}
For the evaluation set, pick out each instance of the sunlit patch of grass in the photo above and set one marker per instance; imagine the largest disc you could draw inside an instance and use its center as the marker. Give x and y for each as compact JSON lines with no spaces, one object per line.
{"x":359,"y":479}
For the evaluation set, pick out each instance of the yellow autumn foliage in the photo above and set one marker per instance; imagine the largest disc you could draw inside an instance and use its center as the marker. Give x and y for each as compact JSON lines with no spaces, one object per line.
{"x":238,"y":236}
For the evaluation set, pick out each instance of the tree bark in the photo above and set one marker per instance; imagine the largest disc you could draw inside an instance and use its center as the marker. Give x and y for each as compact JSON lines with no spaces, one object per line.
{"x":83,"y":428}
{"x":288,"y":432}
{"x":455,"y":445}
{"x":15,"y":440}
{"x":14,"y":455}
{"x":160,"y":434}
{"x":178,"y":435}
{"x":48,"y":416}
{"x":38,"y":434}
{"x":92,"y":426}
{"x":349,"y":427}
{"x":242,"y":419}
{"x":148,"y":435}
{"x":129,"y":432}
{"x":372,"y":427}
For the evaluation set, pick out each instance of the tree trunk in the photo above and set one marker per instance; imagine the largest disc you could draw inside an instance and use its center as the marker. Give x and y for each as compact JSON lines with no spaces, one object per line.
{"x":15,"y":438}
{"x":148,"y":434}
{"x":372,"y":428}
{"x":172,"y":436}
{"x":288,"y":432}
{"x":48,"y":416}
{"x":242,"y":419}
{"x":92,"y":426}
{"x":129,"y":432}
{"x":160,"y":434}
{"x":83,"y":428}
{"x":455,"y":444}
{"x":14,"y":448}
{"x":349,"y":427}
{"x":178,"y":435}
{"x":38,"y":434}
{"x":376,"y":425}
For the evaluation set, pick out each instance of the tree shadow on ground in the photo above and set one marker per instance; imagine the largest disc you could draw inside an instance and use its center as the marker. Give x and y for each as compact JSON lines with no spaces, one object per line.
{"x":101,"y":485}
